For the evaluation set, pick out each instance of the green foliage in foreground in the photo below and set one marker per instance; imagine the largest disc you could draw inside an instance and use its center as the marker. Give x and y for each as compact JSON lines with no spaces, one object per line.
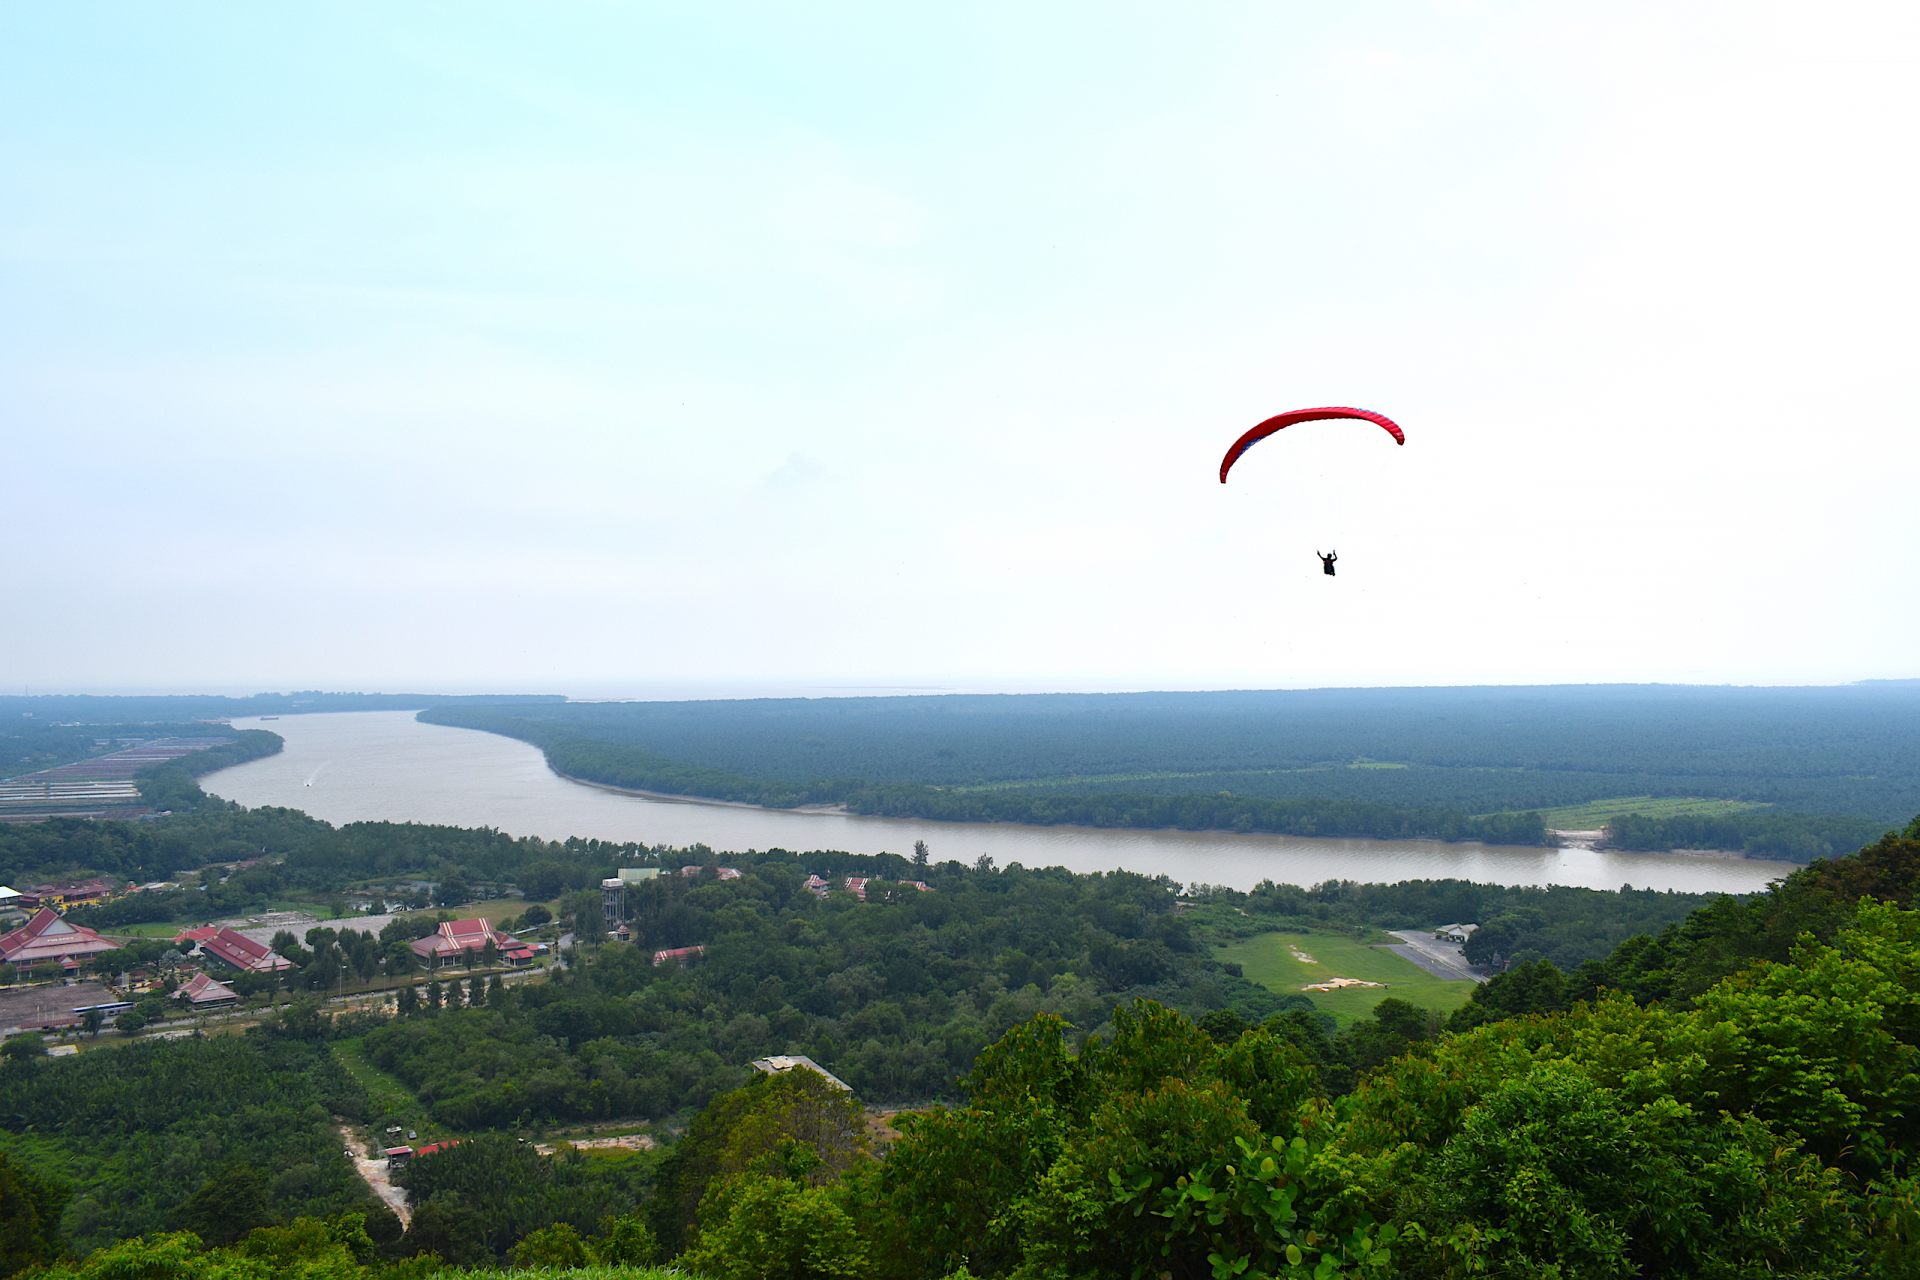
{"x":218,"y":1135}
{"x":314,"y":1249}
{"x":1753,"y":1108}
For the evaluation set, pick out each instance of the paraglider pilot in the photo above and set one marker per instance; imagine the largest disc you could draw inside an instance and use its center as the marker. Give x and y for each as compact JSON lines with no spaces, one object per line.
{"x":1326,"y":561}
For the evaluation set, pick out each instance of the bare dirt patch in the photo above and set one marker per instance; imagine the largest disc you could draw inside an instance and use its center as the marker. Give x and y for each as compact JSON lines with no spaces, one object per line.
{"x":631,"y":1141}
{"x":374,"y":1173}
{"x":1336,"y":984}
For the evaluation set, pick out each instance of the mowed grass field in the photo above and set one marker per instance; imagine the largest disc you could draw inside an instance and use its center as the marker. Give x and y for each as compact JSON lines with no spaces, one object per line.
{"x":1598,"y":813}
{"x":1274,"y":961}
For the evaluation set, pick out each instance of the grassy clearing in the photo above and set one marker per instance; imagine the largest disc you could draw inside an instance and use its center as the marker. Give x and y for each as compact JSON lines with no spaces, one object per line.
{"x":494,"y":909}
{"x":145,"y":929}
{"x":1597,"y":813}
{"x":1273,"y":960}
{"x":390,"y":1096}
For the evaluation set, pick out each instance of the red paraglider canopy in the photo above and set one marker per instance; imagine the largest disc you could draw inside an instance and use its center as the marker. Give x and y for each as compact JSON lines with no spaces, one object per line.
{"x":1275,"y":423}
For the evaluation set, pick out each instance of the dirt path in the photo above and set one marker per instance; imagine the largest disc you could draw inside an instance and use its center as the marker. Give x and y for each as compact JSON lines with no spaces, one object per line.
{"x":374,"y":1174}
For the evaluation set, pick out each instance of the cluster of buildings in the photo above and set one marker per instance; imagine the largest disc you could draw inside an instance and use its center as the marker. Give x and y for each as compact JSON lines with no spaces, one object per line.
{"x":71,"y":893}
{"x":857,"y":886}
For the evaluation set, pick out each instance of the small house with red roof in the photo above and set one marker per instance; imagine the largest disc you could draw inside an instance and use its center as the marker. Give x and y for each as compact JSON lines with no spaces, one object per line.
{"x":677,"y":955}
{"x":47,"y":937}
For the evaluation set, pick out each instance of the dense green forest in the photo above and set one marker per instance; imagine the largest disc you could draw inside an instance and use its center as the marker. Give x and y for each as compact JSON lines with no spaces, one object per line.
{"x":897,"y":992}
{"x":1833,"y":766}
{"x":1655,"y":1084}
{"x":1742,"y":1102}
{"x":215,"y":1135}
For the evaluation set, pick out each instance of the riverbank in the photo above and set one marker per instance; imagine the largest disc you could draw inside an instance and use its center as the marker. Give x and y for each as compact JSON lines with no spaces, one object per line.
{"x":841,"y":810}
{"x":667,"y":797}
{"x":388,"y":766}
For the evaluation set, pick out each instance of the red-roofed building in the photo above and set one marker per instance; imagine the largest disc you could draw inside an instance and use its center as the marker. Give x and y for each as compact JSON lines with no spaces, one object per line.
{"x":203,"y":992}
{"x":238,"y":951}
{"x":857,"y":886}
{"x":194,"y":937}
{"x":818,"y":887}
{"x":47,"y":937}
{"x":454,"y":940}
{"x":677,"y":955}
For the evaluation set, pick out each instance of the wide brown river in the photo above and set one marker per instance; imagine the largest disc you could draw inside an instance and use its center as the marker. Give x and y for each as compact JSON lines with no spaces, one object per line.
{"x":385,"y":765}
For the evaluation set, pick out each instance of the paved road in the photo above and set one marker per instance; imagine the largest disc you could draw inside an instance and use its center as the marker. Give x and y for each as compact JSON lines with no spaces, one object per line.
{"x":1441,"y":959}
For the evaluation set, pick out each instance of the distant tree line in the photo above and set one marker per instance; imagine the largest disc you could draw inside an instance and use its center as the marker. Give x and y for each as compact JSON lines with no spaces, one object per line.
{"x":1793,"y":836}
{"x":1441,"y":763}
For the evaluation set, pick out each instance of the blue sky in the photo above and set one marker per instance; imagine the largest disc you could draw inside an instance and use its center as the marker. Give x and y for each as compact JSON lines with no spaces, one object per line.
{"x":604,"y":348}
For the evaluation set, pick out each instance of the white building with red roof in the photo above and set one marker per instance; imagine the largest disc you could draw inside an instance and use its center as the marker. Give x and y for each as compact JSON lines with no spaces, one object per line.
{"x":238,"y":951}
{"x":47,"y":937}
{"x":455,"y":940}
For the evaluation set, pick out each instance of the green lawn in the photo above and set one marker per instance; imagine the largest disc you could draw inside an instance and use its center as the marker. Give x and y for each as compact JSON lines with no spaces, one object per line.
{"x":390,"y":1096}
{"x":1597,"y":813}
{"x":1272,"y":960}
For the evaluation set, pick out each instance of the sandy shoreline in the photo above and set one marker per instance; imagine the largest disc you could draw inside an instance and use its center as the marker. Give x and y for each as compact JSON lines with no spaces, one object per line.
{"x":1595,"y":841}
{"x":667,"y":797}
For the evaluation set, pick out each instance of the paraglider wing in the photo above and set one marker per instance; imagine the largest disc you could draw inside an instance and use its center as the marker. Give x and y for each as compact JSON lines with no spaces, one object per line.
{"x":1275,"y":423}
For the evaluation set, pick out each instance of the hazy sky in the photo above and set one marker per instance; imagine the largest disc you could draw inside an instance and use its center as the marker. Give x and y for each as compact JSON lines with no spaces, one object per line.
{"x":595,"y":347}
